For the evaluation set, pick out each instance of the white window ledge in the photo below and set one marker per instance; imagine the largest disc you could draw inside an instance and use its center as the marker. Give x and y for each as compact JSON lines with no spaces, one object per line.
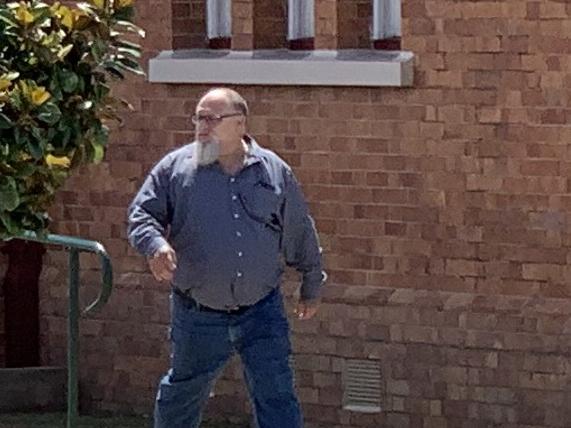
{"x":351,"y":67}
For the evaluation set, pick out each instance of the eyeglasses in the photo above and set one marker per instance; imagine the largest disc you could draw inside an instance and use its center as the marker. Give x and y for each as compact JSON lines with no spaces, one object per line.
{"x":212,"y":119}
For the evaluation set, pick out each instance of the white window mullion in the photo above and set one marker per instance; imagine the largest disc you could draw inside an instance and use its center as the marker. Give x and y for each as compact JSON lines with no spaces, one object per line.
{"x":301,"y":19}
{"x":219,"y":18}
{"x":386,"y":19}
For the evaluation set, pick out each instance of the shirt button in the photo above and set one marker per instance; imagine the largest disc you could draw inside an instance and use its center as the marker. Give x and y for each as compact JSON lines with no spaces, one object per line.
{"x":232,"y":180}
{"x":236,"y":215}
{"x":239,"y":274}
{"x":238,"y":234}
{"x":240,"y":253}
{"x":234,"y":197}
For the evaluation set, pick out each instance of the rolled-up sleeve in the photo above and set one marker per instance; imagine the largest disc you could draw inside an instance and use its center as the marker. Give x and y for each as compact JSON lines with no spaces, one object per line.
{"x":148,"y":215}
{"x":300,"y":242}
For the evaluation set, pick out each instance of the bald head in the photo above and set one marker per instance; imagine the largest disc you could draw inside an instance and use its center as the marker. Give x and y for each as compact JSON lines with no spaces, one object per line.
{"x":221,"y":117}
{"x":232,"y":99}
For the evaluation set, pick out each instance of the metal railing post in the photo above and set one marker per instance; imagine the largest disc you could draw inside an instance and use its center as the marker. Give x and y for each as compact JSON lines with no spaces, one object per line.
{"x":75,"y":246}
{"x":73,"y":338}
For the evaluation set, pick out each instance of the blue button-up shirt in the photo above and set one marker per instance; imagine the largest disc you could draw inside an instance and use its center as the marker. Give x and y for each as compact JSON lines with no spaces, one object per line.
{"x":232,"y":234}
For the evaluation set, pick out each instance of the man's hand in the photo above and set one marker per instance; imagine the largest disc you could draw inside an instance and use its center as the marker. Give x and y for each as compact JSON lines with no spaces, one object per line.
{"x":163,"y":263}
{"x":306,"y":310}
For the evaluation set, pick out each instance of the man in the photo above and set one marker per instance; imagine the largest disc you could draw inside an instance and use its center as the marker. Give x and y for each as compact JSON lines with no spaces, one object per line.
{"x":218,"y":219}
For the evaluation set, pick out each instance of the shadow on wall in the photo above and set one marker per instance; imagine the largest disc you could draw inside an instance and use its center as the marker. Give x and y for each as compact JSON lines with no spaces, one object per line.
{"x":19,"y":335}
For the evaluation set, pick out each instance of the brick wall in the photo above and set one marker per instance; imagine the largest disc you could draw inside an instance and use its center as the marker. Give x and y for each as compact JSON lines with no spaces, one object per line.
{"x":189,"y":24}
{"x":442,"y":210}
{"x":354,"y":23}
{"x":270,"y":24}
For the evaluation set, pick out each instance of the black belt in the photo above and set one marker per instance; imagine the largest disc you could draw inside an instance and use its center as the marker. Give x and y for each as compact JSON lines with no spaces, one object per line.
{"x":237,"y":310}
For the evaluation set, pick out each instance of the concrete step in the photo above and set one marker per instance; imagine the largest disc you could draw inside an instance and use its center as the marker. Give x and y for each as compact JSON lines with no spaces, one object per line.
{"x":33,"y":388}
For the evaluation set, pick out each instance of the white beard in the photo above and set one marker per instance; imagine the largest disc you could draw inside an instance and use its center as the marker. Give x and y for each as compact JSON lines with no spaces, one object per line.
{"x":207,"y":152}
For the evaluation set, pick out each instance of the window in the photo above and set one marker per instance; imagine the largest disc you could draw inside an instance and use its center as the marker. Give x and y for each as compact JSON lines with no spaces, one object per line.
{"x":386,"y":24}
{"x":301,"y":24}
{"x":219,"y":23}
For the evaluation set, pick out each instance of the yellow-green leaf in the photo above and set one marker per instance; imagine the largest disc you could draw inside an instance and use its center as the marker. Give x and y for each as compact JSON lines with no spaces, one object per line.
{"x":23,"y":15}
{"x":6,"y":80}
{"x":59,"y":161}
{"x":123,"y":3}
{"x":4,"y":84}
{"x":99,"y":4}
{"x":64,"y":51}
{"x":98,"y":152}
{"x":54,"y":7}
{"x":66,"y":16}
{"x":24,"y":88}
{"x":39,"y":96}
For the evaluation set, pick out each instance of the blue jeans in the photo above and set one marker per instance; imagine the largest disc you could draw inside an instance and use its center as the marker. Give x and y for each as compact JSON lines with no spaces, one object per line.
{"x":202,"y":342}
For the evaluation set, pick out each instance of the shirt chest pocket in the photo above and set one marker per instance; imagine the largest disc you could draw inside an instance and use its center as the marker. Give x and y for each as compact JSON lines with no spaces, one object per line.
{"x":262,"y":203}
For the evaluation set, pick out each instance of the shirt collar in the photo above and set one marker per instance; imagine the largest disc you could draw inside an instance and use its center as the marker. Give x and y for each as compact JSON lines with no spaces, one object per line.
{"x":254,"y":153}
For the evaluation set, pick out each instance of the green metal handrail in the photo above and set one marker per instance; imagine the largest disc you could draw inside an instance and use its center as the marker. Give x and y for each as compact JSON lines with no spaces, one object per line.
{"x":75,"y":246}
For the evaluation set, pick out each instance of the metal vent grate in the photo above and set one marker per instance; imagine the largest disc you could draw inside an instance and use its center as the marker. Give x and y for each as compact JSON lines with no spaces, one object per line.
{"x":362,"y":386}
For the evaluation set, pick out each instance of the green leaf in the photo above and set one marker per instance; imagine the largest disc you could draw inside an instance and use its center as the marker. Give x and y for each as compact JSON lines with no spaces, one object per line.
{"x":130,"y":27}
{"x":42,"y":14}
{"x":130,"y":51}
{"x":129,"y":65}
{"x":51,"y":134}
{"x":88,"y":8}
{"x":69,"y":80}
{"x":25,"y":169}
{"x":55,"y":88}
{"x":39,"y":139}
{"x":80,"y":85}
{"x":8,"y":19}
{"x":9,"y":224}
{"x":17,"y":102}
{"x":64,"y":136}
{"x":49,"y":113}
{"x":78,"y":156}
{"x":98,"y":49}
{"x":114,"y":70}
{"x":37,"y":133}
{"x":127,"y":44}
{"x":35,"y":148}
{"x":5,"y":122}
{"x":128,"y":62}
{"x":101,"y":136}
{"x":19,"y":138}
{"x":9,"y":197}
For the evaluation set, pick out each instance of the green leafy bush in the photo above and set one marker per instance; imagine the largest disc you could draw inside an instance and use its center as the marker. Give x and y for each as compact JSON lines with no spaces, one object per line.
{"x":56,"y":64}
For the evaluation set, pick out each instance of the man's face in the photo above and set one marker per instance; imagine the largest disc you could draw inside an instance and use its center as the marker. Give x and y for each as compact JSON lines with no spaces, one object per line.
{"x":218,"y":121}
